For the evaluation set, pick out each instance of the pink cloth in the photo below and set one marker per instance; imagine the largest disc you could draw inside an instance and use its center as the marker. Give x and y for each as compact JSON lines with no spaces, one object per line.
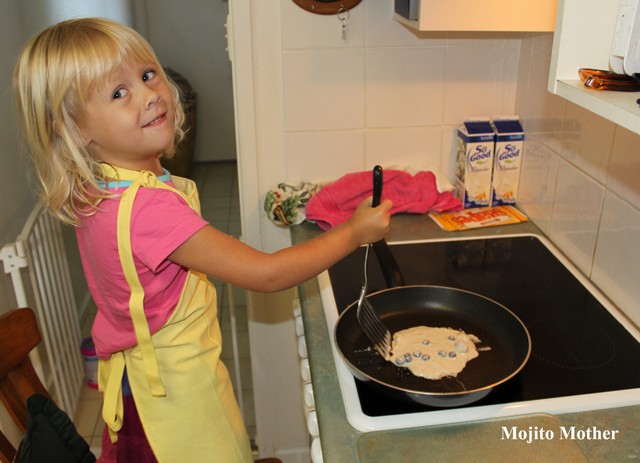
{"x":161,"y":221}
{"x":416,"y":194}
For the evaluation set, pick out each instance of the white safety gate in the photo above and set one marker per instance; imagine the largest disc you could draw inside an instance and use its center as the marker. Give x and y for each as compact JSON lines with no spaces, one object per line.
{"x":39,"y":252}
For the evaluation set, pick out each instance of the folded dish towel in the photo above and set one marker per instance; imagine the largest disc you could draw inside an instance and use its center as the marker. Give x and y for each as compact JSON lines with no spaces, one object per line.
{"x":285,"y":204}
{"x":416,"y":194}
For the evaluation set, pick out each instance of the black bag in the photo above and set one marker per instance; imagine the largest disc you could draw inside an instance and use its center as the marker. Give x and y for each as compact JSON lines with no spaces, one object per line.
{"x":51,"y":436}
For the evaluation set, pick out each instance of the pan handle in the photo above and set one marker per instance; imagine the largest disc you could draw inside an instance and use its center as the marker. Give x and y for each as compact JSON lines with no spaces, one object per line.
{"x":388,"y":264}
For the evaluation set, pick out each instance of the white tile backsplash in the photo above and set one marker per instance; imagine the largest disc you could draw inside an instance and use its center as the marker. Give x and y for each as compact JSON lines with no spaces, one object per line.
{"x":323,"y":89}
{"x":624,"y":169}
{"x":586,"y":141}
{"x":324,"y":155}
{"x":479,"y":80}
{"x":543,"y":113}
{"x":404,"y":87}
{"x":616,"y":264}
{"x":418,"y":146}
{"x":538,"y":178}
{"x":576,"y":212}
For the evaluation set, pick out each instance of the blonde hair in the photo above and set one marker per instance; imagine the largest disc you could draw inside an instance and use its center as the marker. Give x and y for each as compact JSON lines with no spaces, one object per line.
{"x":56,"y":72}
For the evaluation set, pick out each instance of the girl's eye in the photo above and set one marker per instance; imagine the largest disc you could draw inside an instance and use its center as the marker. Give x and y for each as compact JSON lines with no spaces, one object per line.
{"x":120,"y":93}
{"x":148,"y":75}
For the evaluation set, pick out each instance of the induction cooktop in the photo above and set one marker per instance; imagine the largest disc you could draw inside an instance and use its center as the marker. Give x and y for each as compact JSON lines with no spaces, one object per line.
{"x":585,"y":353}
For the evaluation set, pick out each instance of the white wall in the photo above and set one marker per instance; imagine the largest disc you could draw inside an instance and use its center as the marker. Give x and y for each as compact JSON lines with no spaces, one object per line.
{"x":39,"y":14}
{"x":189,"y":36}
{"x":15,"y":181}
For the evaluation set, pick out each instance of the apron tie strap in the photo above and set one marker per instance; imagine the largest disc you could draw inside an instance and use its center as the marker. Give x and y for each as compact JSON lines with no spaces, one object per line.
{"x":111,"y":372}
{"x":136,"y":299}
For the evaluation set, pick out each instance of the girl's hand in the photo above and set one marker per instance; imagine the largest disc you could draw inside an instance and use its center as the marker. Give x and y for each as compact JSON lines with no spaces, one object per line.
{"x":371,"y":224}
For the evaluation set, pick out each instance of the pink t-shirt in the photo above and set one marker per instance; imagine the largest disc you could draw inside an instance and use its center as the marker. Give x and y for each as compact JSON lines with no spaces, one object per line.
{"x":161,"y":221}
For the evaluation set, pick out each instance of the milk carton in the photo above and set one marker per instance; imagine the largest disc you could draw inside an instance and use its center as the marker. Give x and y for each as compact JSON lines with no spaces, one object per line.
{"x":507,"y":160}
{"x":474,"y":161}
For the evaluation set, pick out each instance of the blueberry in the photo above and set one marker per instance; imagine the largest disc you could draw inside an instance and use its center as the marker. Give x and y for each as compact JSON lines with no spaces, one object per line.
{"x":460,"y":347}
{"x":426,"y":357}
{"x":452,"y":354}
{"x":426,"y":342}
{"x":399,"y":361}
{"x":442,"y":353}
{"x":452,"y":338}
{"x":417,"y":354}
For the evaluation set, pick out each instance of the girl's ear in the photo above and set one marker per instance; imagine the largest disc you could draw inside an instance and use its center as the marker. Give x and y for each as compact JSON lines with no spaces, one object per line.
{"x":83,"y":137}
{"x":86,"y":139}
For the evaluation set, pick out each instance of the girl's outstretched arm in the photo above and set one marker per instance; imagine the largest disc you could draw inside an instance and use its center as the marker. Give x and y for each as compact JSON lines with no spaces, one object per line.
{"x":225,"y":258}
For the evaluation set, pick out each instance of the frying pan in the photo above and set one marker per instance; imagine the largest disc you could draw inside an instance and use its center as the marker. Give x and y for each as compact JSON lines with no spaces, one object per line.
{"x":504,"y":349}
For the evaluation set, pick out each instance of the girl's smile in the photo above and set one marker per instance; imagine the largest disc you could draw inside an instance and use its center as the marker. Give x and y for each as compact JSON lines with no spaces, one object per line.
{"x":159,"y":120}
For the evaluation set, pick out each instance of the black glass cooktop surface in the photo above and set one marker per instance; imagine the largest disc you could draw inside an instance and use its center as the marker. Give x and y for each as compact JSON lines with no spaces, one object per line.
{"x":578,"y":346}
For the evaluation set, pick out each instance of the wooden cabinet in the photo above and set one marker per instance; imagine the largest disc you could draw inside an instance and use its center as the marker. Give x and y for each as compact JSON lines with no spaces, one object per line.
{"x":583,"y":36}
{"x":477,"y":15}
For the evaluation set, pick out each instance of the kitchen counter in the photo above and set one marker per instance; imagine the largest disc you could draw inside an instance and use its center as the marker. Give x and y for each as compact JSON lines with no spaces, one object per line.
{"x":477,"y":441}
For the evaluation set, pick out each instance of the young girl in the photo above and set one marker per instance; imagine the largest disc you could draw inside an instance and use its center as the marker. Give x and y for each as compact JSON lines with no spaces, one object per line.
{"x":98,"y":113}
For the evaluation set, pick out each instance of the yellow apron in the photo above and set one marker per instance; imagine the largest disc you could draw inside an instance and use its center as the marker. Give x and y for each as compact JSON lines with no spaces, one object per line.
{"x":181,"y":389}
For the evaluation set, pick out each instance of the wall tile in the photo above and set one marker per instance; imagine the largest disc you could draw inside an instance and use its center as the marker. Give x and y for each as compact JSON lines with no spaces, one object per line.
{"x":538,"y":178}
{"x":624,"y":168}
{"x":616,"y":264}
{"x":484,"y":39}
{"x":479,"y":80}
{"x":544,"y":111}
{"x":586,"y":141}
{"x":323,"y":89}
{"x":449,"y":152}
{"x":302,"y":29}
{"x":323,"y":156}
{"x":524,"y":74}
{"x":417,"y":148}
{"x":404,"y":86}
{"x":543,"y":42}
{"x":576,"y":214}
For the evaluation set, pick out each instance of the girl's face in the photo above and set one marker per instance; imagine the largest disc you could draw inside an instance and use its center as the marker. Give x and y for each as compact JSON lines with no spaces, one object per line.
{"x":129,"y":120}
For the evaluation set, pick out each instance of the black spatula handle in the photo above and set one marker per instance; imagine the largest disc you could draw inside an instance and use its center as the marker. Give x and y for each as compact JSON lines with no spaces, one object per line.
{"x":377,"y":186}
{"x":390,"y":269}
